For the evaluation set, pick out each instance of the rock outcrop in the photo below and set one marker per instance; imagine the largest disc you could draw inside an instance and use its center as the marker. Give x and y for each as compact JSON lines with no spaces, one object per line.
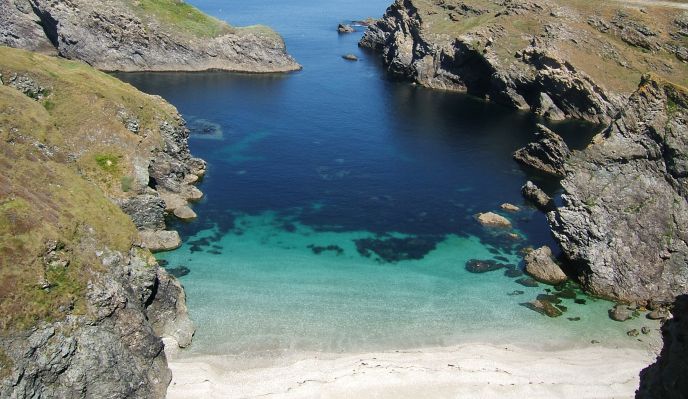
{"x":118,"y":35}
{"x":623,"y":222}
{"x":540,"y":55}
{"x":541,"y":265}
{"x":539,"y":198}
{"x":83,"y":304}
{"x":548,"y":153}
{"x":666,"y":378}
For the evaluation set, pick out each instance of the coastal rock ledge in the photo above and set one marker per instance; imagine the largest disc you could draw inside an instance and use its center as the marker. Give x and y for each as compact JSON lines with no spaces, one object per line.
{"x":161,"y":35}
{"x":623,"y":222}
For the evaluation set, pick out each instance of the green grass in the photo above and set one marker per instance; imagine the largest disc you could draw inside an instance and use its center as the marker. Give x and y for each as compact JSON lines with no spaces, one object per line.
{"x":58,"y":198}
{"x":176,"y":14}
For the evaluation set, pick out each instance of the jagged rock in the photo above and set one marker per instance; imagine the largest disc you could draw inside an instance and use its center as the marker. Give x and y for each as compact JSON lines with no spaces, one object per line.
{"x":493,"y":219}
{"x":548,"y":109}
{"x":169,"y":315}
{"x":510,"y":207}
{"x":146,"y":211}
{"x":666,"y":378}
{"x":117,"y":35}
{"x":619,"y":312}
{"x":539,"y":264}
{"x":534,"y":194}
{"x":160,"y":240}
{"x":547,"y":154}
{"x":345,"y":28}
{"x":625,"y":212}
{"x":185,"y":213}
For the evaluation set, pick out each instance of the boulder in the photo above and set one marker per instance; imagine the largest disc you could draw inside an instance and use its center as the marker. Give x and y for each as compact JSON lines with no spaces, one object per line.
{"x":185,"y":213}
{"x":493,"y":219}
{"x":619,"y":312}
{"x":350,"y":57}
{"x":345,"y":28}
{"x":534,"y":194}
{"x":510,"y":207}
{"x":548,"y":154}
{"x":160,"y":240}
{"x":541,"y":265}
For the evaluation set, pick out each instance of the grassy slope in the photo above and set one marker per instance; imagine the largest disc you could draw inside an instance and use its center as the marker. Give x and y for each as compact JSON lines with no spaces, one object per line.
{"x":178,"y":16}
{"x":63,"y":197}
{"x":594,"y":55}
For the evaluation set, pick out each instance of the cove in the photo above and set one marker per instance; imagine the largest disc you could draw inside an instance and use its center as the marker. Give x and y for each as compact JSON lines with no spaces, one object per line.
{"x":339,"y":207}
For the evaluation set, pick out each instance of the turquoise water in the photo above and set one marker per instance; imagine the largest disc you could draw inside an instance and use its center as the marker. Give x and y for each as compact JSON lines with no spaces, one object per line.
{"x":340,"y":206}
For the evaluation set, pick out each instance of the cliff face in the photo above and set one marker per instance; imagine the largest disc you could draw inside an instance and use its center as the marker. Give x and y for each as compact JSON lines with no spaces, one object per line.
{"x":625,"y":200}
{"x":83,"y":303}
{"x":146,"y":35}
{"x":559,"y":59}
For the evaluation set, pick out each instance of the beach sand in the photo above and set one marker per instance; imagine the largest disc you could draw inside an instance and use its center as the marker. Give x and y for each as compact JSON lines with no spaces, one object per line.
{"x":465,"y":371}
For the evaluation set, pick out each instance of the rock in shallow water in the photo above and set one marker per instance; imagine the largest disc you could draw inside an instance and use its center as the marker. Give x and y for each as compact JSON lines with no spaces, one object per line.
{"x":544,"y":308}
{"x":493,"y":219}
{"x":541,"y":266}
{"x":534,"y":194}
{"x":527,"y":282}
{"x":179,"y":271}
{"x":620,"y":312}
{"x":483,"y":266}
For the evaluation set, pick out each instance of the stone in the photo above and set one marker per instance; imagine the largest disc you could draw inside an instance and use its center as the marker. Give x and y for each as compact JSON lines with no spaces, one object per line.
{"x":645,"y":330}
{"x":172,"y":200}
{"x":160,"y":240}
{"x":345,"y":28}
{"x":548,"y":109}
{"x":350,"y":57}
{"x":633,"y":333}
{"x":549,"y":298}
{"x":492,"y":219}
{"x":527,"y":282}
{"x":544,"y":308}
{"x":185,"y":213}
{"x":658,"y":314}
{"x":534,"y":194}
{"x":619,"y":312}
{"x":548,"y":154}
{"x":510,"y":207}
{"x":146,"y":211}
{"x":483,"y":266}
{"x":541,"y":266}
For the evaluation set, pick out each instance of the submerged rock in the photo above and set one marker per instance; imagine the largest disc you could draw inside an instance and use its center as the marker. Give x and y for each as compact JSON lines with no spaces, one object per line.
{"x":544,"y":308}
{"x":534,"y":194}
{"x":320,"y":249}
{"x":527,"y":282}
{"x":483,"y":266}
{"x":392,"y":249}
{"x":541,"y":265}
{"x":179,"y":271}
{"x":493,"y":219}
{"x":513,"y":272}
{"x":547,"y":154}
{"x":510,"y":207}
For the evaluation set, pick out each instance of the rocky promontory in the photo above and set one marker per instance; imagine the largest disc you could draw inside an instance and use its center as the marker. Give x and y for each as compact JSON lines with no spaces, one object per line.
{"x":83,"y":303}
{"x":623,"y":222}
{"x":559,"y":59}
{"x":145,"y":35}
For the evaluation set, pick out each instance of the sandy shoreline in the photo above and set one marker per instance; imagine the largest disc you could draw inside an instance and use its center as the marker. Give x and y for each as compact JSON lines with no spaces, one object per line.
{"x":465,"y":371}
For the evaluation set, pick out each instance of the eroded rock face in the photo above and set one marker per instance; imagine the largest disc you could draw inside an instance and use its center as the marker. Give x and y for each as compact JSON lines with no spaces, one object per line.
{"x":113,"y":350}
{"x":548,"y":153}
{"x":623,"y":223}
{"x":538,"y":79}
{"x":666,"y":378}
{"x":114,"y":35}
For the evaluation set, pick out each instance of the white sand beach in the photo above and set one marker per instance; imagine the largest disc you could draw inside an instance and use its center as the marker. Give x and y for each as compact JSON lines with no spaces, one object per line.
{"x":465,"y":371}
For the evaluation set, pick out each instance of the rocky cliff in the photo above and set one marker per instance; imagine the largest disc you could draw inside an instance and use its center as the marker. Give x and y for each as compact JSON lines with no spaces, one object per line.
{"x":144,"y":35}
{"x":83,"y":303}
{"x":625,"y":212}
{"x":560,"y":59}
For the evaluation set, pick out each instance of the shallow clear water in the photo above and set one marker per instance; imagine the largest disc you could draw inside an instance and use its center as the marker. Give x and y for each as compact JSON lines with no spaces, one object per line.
{"x":339,"y":208}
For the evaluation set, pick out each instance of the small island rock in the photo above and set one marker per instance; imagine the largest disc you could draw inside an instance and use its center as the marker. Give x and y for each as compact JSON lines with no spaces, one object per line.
{"x":493,"y":219}
{"x":345,"y":28}
{"x":350,"y":57}
{"x":534,"y":194}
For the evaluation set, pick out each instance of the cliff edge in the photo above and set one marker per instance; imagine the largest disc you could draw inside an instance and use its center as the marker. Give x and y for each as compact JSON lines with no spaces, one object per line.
{"x":83,"y":303}
{"x":144,"y":35}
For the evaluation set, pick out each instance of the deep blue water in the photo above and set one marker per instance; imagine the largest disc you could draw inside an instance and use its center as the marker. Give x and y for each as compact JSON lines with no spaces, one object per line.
{"x":339,"y":155}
